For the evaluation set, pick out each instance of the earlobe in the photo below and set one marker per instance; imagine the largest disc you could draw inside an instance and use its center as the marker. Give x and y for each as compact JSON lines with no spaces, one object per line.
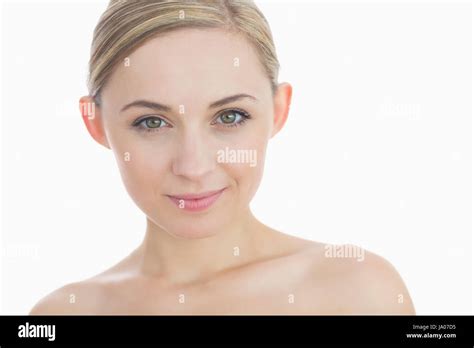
{"x":92,"y":119}
{"x":282,"y":101}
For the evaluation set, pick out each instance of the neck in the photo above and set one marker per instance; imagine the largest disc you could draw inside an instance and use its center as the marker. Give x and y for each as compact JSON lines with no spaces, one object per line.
{"x":183,"y":261}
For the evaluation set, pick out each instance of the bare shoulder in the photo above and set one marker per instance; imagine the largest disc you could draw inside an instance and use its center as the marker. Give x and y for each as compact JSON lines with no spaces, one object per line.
{"x":87,"y":296}
{"x":358,"y":281}
{"x":74,"y":298}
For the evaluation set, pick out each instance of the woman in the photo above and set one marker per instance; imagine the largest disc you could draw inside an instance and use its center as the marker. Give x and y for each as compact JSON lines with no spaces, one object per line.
{"x":186,"y":95}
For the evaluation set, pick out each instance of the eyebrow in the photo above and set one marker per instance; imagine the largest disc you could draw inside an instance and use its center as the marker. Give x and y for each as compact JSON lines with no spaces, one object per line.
{"x":166,"y":108}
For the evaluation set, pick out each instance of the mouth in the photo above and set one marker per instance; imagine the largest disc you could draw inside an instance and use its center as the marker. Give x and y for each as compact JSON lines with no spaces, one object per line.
{"x":196,"y":201}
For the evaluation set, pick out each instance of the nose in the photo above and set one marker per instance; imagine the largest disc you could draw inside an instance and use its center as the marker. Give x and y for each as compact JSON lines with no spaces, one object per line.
{"x":194,"y":157}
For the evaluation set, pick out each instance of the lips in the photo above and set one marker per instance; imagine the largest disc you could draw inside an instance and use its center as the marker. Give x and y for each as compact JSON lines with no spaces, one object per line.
{"x":196,"y":201}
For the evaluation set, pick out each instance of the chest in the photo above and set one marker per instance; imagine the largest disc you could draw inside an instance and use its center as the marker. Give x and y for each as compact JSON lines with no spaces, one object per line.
{"x":289,"y":287}
{"x":243,"y":293}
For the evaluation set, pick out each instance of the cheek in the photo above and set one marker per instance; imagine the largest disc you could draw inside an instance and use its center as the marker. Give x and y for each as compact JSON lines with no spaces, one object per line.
{"x":142,"y":168}
{"x":244,"y":161}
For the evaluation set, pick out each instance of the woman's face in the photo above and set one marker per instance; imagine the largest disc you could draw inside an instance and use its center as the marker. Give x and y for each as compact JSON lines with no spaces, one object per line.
{"x":173,"y":133}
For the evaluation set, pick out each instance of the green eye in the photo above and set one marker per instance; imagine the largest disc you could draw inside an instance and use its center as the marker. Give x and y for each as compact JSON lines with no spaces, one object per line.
{"x":153,"y":122}
{"x":228,"y":117}
{"x":150,"y":123}
{"x":233,"y":117}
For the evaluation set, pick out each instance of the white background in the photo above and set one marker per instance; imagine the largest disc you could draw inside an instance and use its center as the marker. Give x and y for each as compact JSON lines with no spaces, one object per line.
{"x":377,"y":150}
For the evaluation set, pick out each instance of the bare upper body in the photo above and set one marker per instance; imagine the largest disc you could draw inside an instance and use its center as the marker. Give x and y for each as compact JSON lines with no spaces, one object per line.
{"x":296,"y":277}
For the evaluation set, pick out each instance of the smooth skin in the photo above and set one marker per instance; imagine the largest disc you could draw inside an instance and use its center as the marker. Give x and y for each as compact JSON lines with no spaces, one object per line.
{"x":221,"y":260}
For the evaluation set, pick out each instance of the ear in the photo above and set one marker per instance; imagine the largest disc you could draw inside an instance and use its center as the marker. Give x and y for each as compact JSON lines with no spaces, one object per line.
{"x":91,"y":115}
{"x":281,"y":106}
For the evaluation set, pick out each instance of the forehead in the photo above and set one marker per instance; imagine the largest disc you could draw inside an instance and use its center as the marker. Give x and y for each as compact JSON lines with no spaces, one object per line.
{"x":188,"y":63}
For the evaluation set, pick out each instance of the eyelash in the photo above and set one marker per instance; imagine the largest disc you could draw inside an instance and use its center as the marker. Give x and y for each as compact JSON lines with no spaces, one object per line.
{"x":245,"y":117}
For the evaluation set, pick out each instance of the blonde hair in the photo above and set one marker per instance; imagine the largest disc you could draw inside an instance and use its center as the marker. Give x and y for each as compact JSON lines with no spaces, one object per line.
{"x":127,"y":24}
